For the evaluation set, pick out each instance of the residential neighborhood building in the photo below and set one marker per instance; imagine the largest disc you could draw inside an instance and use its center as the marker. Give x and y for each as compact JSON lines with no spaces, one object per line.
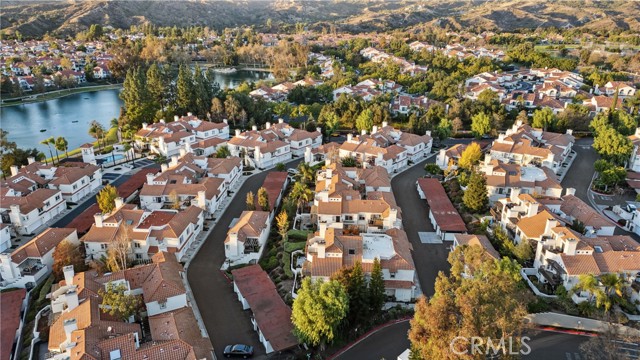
{"x":81,"y":328}
{"x":503,"y":177}
{"x":330,"y":249}
{"x":30,"y":263}
{"x":443,"y":215}
{"x":246,"y":238}
{"x":150,"y":231}
{"x":271,"y":317}
{"x":27,"y":212}
{"x":475,"y":240}
{"x":167,"y":138}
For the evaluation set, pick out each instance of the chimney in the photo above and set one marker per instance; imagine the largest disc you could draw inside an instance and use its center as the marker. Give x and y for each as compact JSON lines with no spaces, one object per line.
{"x":225,"y":121}
{"x":551,"y":223}
{"x":174,"y":161}
{"x":322,"y":229}
{"x":540,"y":96}
{"x":375,"y":129}
{"x":349,"y":137}
{"x":119,"y":202}
{"x":500,"y":137}
{"x":428,"y":133}
{"x":202,"y":200}
{"x":175,"y":118}
{"x":189,"y":114}
{"x":254,"y":128}
{"x":280,"y":120}
{"x":363,"y":132}
{"x":319,"y":130}
{"x":487,"y":157}
{"x":164,"y":122}
{"x":68,"y":274}
{"x":638,"y":132}
{"x":183,"y":152}
{"x":150,"y":178}
{"x":385,"y":124}
{"x":71,"y":299}
{"x":570,"y":191}
{"x":69,"y":327}
{"x":570,"y":131}
{"x":14,"y":170}
{"x":237,"y":132}
{"x":515,"y":192}
{"x":570,"y":245}
{"x":267,"y":125}
{"x":31,"y":160}
{"x":164,"y":167}
{"x":144,"y":126}
{"x":532,"y":209}
{"x":97,"y":218}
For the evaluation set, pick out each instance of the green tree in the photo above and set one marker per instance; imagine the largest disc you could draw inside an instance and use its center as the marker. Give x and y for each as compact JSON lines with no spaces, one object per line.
{"x":444,"y":129}
{"x":613,"y":291}
{"x":97,"y":131}
{"x":377,"y":295}
{"x":365,"y":120}
{"x":223,"y":152}
{"x":544,"y":119}
{"x":349,"y":161}
{"x":62,"y":145}
{"x":480,"y":125}
{"x":184,"y":90}
{"x":263,"y":199}
{"x":201,"y":93}
{"x":251,"y":201}
{"x":470,"y":156}
{"x":301,"y":194}
{"x":475,"y":196}
{"x":612,"y":145}
{"x":478,"y":299}
{"x":353,"y":280}
{"x":524,"y":252}
{"x":138,"y":104}
{"x":157,"y":89}
{"x":319,"y":310}
{"x":282,"y":220}
{"x":588,"y":283}
{"x":67,"y":253}
{"x":116,"y":302}
{"x":46,"y":142}
{"x":306,"y":173}
{"x":52,"y":141}
{"x":106,"y":199}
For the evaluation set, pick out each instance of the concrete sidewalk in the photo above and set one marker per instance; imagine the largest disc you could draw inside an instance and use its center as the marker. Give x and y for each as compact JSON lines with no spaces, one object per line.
{"x":579,"y":323}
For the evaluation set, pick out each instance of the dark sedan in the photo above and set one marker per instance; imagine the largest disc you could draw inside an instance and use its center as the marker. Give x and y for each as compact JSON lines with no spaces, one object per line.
{"x":238,"y":350}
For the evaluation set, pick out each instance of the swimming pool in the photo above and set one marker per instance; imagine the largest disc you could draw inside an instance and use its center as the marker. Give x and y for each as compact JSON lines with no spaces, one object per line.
{"x":110,"y":158}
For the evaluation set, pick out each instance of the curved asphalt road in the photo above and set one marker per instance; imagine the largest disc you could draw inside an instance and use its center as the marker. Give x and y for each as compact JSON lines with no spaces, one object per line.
{"x":386,"y":343}
{"x":221,"y":311}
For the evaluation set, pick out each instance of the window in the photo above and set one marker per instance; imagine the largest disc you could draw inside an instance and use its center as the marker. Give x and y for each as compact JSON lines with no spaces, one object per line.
{"x":163,"y":305}
{"x":138,"y":256}
{"x":361,"y":217}
{"x":75,"y":187}
{"x":348,"y":218}
{"x":57,"y":197}
{"x":103,"y":246}
{"x":352,"y":251}
{"x":82,"y":182}
{"x":136,"y":245}
{"x":392,"y":275}
{"x":181,"y":239}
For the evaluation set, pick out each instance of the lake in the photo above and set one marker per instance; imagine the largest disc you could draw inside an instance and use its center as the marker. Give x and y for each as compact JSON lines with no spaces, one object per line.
{"x":70,"y":116}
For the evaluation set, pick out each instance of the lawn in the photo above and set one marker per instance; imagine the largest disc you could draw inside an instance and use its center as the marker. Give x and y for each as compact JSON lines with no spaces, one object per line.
{"x":290,"y":247}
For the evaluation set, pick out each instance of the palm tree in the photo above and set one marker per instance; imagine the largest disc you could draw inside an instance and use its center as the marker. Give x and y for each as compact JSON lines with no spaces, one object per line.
{"x":306,"y":173}
{"x":46,"y":142}
{"x":127,"y":147}
{"x":588,"y":283}
{"x":63,"y":145}
{"x":301,"y":193}
{"x":96,"y":130}
{"x":613,"y":290}
{"x":52,"y":141}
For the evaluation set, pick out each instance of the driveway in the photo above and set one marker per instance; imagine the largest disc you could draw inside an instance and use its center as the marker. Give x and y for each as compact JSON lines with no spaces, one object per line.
{"x":386,"y":343}
{"x":428,"y":258}
{"x":581,"y":171}
{"x":219,"y":307}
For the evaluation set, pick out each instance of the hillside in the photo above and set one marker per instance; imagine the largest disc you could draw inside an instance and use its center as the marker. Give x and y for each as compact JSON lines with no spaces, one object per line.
{"x":67,"y":17}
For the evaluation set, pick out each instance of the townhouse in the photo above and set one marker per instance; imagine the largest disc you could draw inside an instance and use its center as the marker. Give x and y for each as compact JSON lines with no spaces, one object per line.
{"x":524,"y":145}
{"x":275,"y":144}
{"x":246,"y":238}
{"x":444,"y":217}
{"x":405,"y":104}
{"x":634,"y":158}
{"x":368,"y":89}
{"x":81,"y":329}
{"x":27,"y":212}
{"x":601,"y":103}
{"x":624,"y":89}
{"x":76,"y":180}
{"x":565,"y":255}
{"x":30,"y":263}
{"x":503,"y":177}
{"x":147,"y":231}
{"x":167,"y":138}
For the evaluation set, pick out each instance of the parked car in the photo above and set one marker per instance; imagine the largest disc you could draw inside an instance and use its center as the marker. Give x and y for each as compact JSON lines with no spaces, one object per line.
{"x":293,"y":171}
{"x":238,"y":350}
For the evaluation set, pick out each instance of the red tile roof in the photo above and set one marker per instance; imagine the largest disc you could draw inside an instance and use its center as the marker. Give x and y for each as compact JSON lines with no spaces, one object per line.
{"x":272,"y":315}
{"x":443,"y":211}
{"x":10,"y":305}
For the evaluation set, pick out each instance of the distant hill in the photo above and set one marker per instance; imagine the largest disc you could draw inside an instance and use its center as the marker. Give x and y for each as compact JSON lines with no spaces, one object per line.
{"x":69,"y":16}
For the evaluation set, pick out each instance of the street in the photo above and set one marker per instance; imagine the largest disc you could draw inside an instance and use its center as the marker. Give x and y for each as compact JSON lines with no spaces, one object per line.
{"x":429,"y":259}
{"x":221,"y":311}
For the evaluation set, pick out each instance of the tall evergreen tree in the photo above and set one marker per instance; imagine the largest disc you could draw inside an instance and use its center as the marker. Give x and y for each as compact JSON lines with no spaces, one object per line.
{"x":201,"y":97}
{"x":138,"y":108}
{"x":376,"y":288}
{"x":157,"y":89}
{"x":184,"y":90}
{"x":475,"y":196}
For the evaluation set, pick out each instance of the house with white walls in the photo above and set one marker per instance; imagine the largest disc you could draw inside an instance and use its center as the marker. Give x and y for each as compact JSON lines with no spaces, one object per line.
{"x":32,"y":262}
{"x":167,"y":138}
{"x":28,"y":212}
{"x":246,"y":238}
{"x":149,"y":231}
{"x":330,"y":249}
{"x":503,"y":177}
{"x":634,"y":159}
{"x":82,"y":329}
{"x":371,"y":150}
